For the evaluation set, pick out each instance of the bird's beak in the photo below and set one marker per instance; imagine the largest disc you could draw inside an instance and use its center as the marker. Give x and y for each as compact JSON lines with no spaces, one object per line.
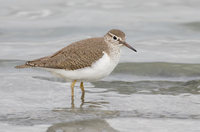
{"x":127,"y":45}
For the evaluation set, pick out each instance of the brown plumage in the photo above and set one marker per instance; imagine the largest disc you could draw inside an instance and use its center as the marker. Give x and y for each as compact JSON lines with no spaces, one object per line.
{"x":75,"y":56}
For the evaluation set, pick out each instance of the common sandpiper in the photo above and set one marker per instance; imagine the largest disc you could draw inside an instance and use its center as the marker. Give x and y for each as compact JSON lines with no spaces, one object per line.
{"x":86,"y":60}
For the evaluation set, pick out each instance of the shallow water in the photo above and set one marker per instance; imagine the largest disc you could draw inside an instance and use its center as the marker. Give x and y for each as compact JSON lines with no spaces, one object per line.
{"x":156,"y":89}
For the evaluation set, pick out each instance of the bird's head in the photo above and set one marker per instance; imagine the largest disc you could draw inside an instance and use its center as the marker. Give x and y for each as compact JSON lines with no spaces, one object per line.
{"x":117,"y":37}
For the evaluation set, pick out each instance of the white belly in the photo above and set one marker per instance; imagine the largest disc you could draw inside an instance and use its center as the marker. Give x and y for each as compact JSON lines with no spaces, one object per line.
{"x":100,"y":69}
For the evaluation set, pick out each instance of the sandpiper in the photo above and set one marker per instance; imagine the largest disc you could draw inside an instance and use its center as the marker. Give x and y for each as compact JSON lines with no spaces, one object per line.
{"x":86,"y":60}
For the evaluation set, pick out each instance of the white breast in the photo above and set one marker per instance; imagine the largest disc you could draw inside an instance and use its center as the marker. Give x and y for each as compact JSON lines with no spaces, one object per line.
{"x":100,"y":69}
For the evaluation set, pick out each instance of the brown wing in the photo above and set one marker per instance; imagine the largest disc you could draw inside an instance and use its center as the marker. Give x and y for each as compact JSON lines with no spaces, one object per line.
{"x":75,"y":56}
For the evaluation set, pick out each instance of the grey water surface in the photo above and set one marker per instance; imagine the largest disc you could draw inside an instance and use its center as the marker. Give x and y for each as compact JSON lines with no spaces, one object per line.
{"x":156,"y":89}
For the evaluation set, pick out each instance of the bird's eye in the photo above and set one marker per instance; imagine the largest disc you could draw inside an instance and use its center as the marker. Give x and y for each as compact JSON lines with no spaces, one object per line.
{"x":114,"y":37}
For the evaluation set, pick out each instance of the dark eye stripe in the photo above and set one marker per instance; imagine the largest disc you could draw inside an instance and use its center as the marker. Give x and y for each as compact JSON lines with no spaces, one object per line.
{"x":114,"y":37}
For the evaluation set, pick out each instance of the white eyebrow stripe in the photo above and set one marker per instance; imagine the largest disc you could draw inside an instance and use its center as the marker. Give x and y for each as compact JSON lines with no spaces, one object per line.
{"x":111,"y":34}
{"x":114,"y":35}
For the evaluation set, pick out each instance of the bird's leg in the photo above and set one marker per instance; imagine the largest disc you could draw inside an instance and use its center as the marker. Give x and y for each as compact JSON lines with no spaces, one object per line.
{"x":72,"y":92}
{"x":72,"y":88}
{"x":83,"y":91}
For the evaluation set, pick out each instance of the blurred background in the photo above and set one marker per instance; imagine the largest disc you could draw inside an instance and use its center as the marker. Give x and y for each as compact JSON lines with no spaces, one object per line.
{"x":155,"y":89}
{"x":160,"y":30}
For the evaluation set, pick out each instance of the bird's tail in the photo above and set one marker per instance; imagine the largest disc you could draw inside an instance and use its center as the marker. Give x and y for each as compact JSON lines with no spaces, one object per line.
{"x":23,"y":66}
{"x":34,"y":63}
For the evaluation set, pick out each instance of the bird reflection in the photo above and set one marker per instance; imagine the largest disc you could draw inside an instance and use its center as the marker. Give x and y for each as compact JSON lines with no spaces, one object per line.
{"x":82,"y":100}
